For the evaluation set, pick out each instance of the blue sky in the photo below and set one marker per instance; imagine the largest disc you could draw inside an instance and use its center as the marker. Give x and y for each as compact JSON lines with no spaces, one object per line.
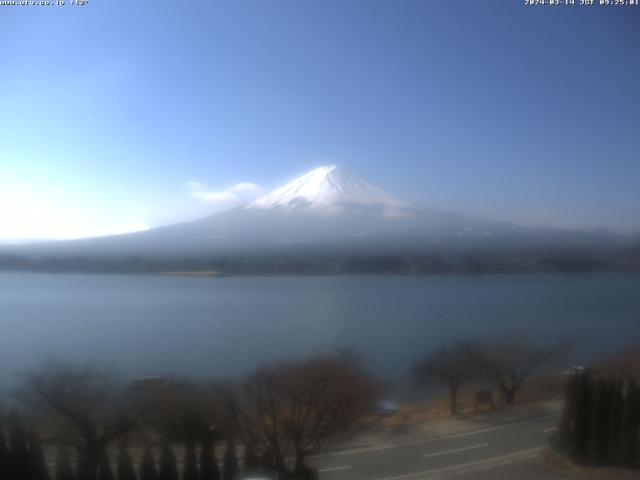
{"x":108,"y":111}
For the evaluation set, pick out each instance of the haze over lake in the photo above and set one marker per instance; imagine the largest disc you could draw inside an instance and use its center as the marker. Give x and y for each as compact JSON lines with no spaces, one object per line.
{"x":147,"y":325}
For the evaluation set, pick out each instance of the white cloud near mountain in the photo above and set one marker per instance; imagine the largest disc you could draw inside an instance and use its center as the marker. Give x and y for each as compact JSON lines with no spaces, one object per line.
{"x":234,"y":195}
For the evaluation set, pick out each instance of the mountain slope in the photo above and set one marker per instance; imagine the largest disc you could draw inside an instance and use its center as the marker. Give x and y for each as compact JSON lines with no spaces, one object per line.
{"x":326,"y":210}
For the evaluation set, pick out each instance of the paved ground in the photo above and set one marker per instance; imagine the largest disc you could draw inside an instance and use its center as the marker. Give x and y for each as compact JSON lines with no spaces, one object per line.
{"x":493,"y":451}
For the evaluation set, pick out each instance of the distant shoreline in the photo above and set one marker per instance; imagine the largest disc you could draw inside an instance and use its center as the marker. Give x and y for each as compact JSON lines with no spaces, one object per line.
{"x":195,"y":273}
{"x":216,"y":274}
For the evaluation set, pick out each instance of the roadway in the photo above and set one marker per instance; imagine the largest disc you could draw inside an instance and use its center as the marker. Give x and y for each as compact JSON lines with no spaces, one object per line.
{"x":496,"y":452}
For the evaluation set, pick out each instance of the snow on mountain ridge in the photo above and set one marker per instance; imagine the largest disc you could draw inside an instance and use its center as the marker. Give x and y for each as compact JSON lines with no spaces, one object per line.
{"x":326,"y":187}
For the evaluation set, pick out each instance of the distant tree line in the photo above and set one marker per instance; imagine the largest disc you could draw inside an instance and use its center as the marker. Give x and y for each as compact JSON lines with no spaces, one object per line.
{"x":327,"y":264}
{"x":281,"y":413}
{"x":601,"y":420}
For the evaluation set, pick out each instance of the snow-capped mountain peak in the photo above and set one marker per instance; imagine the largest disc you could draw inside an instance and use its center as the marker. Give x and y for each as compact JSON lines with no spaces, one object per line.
{"x":325,"y":188}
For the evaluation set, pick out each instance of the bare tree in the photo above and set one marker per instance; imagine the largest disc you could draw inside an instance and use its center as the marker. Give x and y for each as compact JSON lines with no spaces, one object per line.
{"x":254,"y":411}
{"x":510,"y":360}
{"x":327,"y":395}
{"x":298,"y":407}
{"x":624,"y":364}
{"x":453,"y":366}
{"x":182,"y":410}
{"x":81,"y":406}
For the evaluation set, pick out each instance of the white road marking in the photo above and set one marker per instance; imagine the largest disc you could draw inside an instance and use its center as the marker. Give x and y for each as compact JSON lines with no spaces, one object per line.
{"x":465,"y":465}
{"x":356,"y":451}
{"x":370,"y":449}
{"x":420,"y":442}
{"x":550,"y":430}
{"x":490,"y":429}
{"x":456,"y":450}
{"x":334,"y":469}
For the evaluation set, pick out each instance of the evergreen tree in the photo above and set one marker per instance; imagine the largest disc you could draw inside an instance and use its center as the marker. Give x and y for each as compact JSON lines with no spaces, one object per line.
{"x":125,"y":465}
{"x":104,"y":469}
{"x":251,"y":464}
{"x":18,"y":453}
{"x":634,"y":460}
{"x":190,"y":469}
{"x":208,"y":463}
{"x":4,"y":455}
{"x":606,"y":418}
{"x":307,"y":473}
{"x":567,"y":421}
{"x":84,"y":470}
{"x":598,"y":422}
{"x":630,"y":422}
{"x":267,"y":463}
{"x":37,"y":464}
{"x":579,"y":448}
{"x":63,"y":466}
{"x":147,"y":465}
{"x":615,"y":422}
{"x":230,"y":469}
{"x":168,"y":467}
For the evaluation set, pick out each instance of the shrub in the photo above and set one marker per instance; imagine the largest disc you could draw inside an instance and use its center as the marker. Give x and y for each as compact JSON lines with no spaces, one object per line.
{"x":147,"y":465}
{"x":125,"y":465}
{"x":190,"y":471}
{"x":168,"y":467}
{"x":63,"y":466}
{"x":208,"y":464}
{"x":230,"y":470}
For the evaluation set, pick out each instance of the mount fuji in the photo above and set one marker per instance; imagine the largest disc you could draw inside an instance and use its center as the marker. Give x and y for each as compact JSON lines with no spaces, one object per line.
{"x":328,"y":189}
{"x":328,"y":211}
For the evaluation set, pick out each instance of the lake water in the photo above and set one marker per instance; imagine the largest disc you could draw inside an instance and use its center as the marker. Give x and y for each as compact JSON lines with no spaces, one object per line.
{"x":148,"y":325}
